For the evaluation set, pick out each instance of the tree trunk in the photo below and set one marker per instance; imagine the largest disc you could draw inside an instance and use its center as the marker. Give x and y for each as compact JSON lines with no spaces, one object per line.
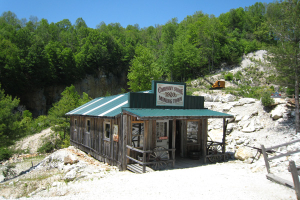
{"x":297,"y":101}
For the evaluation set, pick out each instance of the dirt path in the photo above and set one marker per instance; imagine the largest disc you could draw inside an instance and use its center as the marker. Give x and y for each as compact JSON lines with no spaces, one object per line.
{"x":33,"y":142}
{"x":232,"y":180}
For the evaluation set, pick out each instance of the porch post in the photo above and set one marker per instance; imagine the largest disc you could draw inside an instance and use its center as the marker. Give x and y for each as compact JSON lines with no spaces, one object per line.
{"x":173,"y":141}
{"x":124,"y":140}
{"x":224,"y":137}
{"x":204,"y":139}
{"x":145,"y":140}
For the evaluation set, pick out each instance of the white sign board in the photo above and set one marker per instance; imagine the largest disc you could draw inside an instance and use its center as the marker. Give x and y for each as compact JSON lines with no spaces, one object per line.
{"x":169,"y":94}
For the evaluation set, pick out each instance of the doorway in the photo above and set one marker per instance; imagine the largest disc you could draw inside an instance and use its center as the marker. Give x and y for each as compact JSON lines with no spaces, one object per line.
{"x":162,"y":133}
{"x":178,"y":138}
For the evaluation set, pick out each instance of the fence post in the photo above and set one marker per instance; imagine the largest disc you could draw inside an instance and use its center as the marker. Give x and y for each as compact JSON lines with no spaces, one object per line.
{"x":266,"y":158}
{"x":295,"y":178}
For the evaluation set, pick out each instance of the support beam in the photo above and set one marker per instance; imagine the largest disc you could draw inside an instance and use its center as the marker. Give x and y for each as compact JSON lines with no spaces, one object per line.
{"x":173,"y":141}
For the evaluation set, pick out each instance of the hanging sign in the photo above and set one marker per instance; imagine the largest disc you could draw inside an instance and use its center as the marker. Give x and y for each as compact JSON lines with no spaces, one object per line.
{"x":169,"y":94}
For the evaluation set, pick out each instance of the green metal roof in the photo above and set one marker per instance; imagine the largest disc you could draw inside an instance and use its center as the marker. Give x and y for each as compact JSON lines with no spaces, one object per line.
{"x":172,"y":113}
{"x":143,"y":106}
{"x":102,"y":106}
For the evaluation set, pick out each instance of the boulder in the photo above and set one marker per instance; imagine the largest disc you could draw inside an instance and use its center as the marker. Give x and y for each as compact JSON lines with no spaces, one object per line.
{"x":208,"y":98}
{"x":217,"y":98}
{"x":227,"y":108}
{"x":243,"y":153}
{"x":246,"y":101}
{"x":238,"y":118}
{"x":230,"y":128}
{"x":71,"y":175}
{"x":254,"y":125}
{"x":278,"y":111}
{"x":70,"y":159}
{"x":228,"y":98}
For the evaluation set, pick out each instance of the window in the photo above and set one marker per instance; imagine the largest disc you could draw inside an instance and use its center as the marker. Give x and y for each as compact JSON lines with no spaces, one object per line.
{"x":75,"y":124}
{"x":137,"y":134}
{"x":88,"y":125}
{"x":107,"y":129}
{"x":192,"y":132}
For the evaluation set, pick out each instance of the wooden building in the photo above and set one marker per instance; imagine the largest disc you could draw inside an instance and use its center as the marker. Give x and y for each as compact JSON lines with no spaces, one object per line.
{"x":148,"y":128}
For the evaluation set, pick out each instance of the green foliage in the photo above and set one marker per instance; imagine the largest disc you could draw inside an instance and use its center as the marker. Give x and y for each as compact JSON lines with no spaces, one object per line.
{"x":238,"y":75}
{"x":143,"y":70}
{"x":177,"y":50}
{"x":48,"y":147}
{"x":5,"y":153}
{"x":10,"y":126}
{"x":228,"y":76}
{"x":70,"y":100}
{"x":266,"y":99}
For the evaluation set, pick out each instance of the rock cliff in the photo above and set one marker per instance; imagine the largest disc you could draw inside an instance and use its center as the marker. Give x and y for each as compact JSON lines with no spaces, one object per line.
{"x":39,"y":101}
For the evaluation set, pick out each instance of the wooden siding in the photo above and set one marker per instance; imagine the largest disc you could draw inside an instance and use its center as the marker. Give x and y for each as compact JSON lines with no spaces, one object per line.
{"x":114,"y":153}
{"x":94,"y":142}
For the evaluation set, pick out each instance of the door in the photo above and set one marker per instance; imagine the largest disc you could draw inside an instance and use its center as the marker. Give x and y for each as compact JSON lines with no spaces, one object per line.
{"x":162,"y":133}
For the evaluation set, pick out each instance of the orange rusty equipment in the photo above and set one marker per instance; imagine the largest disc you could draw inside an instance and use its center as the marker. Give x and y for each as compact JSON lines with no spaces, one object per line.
{"x":218,"y":85}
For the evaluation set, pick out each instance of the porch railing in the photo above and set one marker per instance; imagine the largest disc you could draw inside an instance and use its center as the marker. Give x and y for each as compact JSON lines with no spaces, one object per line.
{"x":145,"y":157}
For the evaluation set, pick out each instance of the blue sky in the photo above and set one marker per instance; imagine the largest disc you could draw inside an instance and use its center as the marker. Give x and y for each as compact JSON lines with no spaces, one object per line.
{"x":126,"y":12}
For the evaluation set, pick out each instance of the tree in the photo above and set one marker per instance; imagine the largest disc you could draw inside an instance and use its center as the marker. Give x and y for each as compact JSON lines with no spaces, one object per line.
{"x":70,"y":100}
{"x":143,"y":70}
{"x":284,"y":22}
{"x":10,"y":128}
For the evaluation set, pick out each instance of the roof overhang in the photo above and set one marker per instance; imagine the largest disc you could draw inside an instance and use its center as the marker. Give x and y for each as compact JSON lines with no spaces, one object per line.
{"x":145,"y":114}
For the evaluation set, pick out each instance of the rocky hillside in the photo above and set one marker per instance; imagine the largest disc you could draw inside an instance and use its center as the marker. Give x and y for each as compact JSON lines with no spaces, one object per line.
{"x":253,"y":124}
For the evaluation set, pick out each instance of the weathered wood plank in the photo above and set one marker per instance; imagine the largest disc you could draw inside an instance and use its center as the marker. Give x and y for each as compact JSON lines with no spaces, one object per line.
{"x":124,"y":142}
{"x":294,"y":172}
{"x":153,"y":138}
{"x":279,"y":180}
{"x":138,"y":150}
{"x":281,"y":145}
{"x":138,"y":169}
{"x":265,"y":158}
{"x":173,"y":141}
{"x":284,"y":154}
{"x":204,"y":139}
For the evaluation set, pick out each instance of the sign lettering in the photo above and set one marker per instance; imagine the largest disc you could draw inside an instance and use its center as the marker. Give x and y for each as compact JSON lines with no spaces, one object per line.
{"x":169,"y":95}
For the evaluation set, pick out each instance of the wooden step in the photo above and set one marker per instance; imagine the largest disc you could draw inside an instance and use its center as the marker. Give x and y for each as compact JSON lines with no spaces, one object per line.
{"x":136,"y":168}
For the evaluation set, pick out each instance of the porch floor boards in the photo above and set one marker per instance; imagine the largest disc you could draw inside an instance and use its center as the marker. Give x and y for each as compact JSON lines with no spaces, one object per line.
{"x":138,"y":169}
{"x":180,"y":163}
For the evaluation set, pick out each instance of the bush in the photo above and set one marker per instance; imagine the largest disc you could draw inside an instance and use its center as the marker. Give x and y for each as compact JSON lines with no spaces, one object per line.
{"x":266,"y":99}
{"x":5,"y":153}
{"x":48,"y":147}
{"x":238,"y":75}
{"x":228,"y":76}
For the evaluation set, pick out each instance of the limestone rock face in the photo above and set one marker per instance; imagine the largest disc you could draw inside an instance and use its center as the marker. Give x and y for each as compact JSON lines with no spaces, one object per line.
{"x":208,"y":98}
{"x":244,"y":101}
{"x":278,"y":111}
{"x":243,"y":154}
{"x":39,"y":101}
{"x":228,"y":98}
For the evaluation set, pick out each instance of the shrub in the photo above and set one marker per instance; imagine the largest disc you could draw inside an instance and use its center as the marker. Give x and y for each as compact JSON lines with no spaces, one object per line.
{"x":238,"y":75}
{"x":46,"y":148}
{"x":228,"y":76}
{"x":5,"y":153}
{"x":266,"y":99}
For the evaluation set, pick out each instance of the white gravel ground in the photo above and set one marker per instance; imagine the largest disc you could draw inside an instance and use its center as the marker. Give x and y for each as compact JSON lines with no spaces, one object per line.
{"x":232,"y":180}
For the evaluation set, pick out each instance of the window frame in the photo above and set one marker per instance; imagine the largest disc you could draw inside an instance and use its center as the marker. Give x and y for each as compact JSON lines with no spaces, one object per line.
{"x":75,"y":125}
{"x":106,"y":133}
{"x":88,"y":126}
